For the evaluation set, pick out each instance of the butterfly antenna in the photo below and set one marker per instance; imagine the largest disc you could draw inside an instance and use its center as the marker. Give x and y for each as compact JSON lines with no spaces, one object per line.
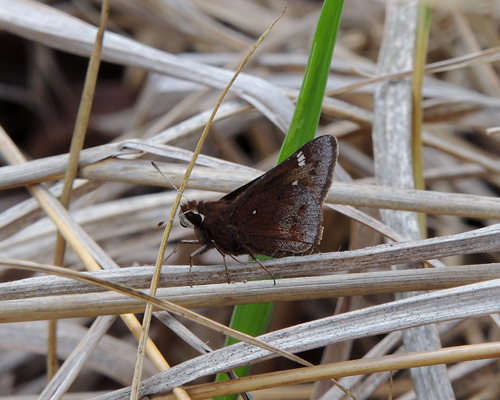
{"x":168,"y":180}
{"x":162,"y":223}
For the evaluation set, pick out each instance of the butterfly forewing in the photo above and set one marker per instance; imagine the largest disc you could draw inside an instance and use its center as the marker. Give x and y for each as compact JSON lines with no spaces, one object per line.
{"x":318,"y":155}
{"x":280,"y":213}
{"x":292,"y":227}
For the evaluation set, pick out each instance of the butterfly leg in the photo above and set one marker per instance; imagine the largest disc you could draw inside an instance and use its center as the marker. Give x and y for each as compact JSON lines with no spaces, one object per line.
{"x":314,"y":250}
{"x":224,"y":258}
{"x":235,"y":259}
{"x":225,"y":266}
{"x":188,"y":242}
{"x":201,"y":250}
{"x":179,"y":245}
{"x":256,"y":259}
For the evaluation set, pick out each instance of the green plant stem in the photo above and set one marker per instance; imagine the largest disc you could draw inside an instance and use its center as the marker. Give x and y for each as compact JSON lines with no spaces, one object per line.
{"x":253,"y":318}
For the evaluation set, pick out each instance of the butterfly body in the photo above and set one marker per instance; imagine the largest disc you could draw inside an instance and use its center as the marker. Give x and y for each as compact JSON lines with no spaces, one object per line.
{"x":278,"y":214}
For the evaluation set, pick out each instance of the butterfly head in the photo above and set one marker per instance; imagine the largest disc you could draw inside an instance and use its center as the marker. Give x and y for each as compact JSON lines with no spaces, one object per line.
{"x":189,"y":215}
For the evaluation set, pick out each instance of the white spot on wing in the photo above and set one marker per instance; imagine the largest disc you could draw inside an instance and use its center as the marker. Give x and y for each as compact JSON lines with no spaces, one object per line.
{"x":254,"y":212}
{"x":295,"y":183}
{"x":301,"y":159}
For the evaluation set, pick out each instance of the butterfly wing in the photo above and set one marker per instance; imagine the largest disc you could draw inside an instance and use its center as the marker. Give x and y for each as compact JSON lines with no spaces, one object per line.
{"x":280,"y":213}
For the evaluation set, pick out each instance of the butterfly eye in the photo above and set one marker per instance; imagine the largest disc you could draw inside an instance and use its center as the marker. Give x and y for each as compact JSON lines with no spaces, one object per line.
{"x":195,"y":218}
{"x":190,"y":219}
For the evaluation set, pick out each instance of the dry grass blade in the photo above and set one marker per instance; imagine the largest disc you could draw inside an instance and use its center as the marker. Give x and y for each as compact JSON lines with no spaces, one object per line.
{"x":59,"y":30}
{"x":397,"y":156}
{"x":165,"y":305}
{"x":109,"y":351}
{"x":77,"y":141}
{"x":342,"y":193}
{"x":45,"y":299}
{"x":348,"y":368}
{"x":140,"y":172}
{"x":411,"y":312}
{"x":65,"y":376}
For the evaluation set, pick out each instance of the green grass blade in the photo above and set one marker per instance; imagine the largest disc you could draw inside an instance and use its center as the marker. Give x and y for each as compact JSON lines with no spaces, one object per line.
{"x":253,"y":318}
{"x":308,"y":109}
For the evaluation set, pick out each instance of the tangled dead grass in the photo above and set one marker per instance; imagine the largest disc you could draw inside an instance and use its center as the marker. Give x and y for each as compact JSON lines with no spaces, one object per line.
{"x":321,"y":305}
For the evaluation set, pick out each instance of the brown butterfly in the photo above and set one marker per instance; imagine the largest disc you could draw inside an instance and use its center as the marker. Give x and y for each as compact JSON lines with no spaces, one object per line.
{"x":279,"y":214}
